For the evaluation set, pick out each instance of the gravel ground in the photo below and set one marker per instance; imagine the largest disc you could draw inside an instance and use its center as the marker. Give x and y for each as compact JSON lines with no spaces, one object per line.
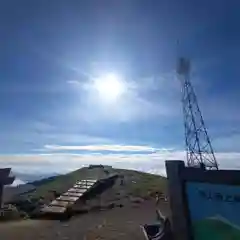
{"x":117,"y":223}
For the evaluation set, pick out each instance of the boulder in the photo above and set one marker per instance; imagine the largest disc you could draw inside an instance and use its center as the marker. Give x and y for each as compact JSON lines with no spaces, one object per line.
{"x":136,"y":200}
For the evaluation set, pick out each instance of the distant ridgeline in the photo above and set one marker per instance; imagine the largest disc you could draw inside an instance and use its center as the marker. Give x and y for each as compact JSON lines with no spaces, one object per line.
{"x":43,"y":181}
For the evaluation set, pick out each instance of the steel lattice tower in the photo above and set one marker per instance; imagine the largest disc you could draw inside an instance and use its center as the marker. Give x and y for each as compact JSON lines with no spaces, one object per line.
{"x":198,"y":146}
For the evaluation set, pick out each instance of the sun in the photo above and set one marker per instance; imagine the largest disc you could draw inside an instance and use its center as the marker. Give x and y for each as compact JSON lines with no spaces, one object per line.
{"x":109,"y":87}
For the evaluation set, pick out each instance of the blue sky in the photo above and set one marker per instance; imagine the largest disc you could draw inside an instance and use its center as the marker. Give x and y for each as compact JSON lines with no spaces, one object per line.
{"x":51,"y":51}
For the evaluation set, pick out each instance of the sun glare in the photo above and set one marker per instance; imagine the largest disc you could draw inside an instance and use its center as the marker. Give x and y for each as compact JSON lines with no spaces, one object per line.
{"x":109,"y":87}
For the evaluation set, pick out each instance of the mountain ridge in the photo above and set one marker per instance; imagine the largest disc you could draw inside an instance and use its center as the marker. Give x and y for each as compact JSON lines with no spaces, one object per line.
{"x":136,"y":182}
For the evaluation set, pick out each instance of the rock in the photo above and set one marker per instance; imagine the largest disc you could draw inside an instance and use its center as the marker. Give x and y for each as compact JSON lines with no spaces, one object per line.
{"x":135,"y":205}
{"x":99,"y":226}
{"x":136,"y":200}
{"x":96,"y":208}
{"x":36,"y":212}
{"x":23,"y":215}
{"x":81,"y":210}
{"x":111,"y":206}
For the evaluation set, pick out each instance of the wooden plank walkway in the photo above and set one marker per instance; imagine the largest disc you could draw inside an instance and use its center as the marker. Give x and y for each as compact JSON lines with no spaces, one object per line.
{"x":67,"y":199}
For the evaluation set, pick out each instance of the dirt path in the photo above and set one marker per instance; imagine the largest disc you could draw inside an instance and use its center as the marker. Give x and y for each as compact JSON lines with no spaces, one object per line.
{"x":118,"y":223}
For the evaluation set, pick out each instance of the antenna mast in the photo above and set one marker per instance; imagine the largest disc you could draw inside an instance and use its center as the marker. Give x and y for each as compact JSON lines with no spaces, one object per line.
{"x":198,"y":146}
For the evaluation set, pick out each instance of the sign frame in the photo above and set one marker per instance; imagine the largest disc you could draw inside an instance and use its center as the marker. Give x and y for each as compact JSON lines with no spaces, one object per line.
{"x":178,"y":175}
{"x":5,"y":179}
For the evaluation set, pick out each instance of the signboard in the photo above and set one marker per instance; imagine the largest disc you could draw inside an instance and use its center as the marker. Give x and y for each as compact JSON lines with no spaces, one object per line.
{"x":214,"y":210}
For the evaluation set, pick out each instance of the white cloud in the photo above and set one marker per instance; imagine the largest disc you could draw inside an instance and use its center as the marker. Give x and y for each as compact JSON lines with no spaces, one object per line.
{"x":115,"y":148}
{"x":62,"y":163}
{"x":75,"y":83}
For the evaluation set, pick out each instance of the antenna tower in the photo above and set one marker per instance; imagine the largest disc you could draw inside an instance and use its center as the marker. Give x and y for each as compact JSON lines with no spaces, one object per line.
{"x":198,"y":146}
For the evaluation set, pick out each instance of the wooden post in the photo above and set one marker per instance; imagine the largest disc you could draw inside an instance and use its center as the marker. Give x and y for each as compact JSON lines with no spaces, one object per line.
{"x":1,"y":195}
{"x":4,"y":180}
{"x":177,"y":201}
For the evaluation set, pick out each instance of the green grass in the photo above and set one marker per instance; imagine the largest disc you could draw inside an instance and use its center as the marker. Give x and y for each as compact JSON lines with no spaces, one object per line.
{"x":61,"y":183}
{"x":144,"y":182}
{"x":213,"y":229}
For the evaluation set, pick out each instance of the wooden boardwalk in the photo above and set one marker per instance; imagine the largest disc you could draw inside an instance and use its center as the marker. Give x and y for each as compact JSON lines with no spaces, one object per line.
{"x":67,"y":199}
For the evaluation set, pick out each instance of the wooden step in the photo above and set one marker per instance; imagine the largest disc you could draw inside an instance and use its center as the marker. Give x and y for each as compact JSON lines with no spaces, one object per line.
{"x":71,"y":194}
{"x":82,"y":186}
{"x":54,"y":209}
{"x":68,"y":198}
{"x":60,"y":203}
{"x":77,"y":190}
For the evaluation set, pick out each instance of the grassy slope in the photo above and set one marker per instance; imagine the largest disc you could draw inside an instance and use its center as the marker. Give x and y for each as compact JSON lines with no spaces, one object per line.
{"x":137,"y":183}
{"x":61,"y":183}
{"x":140,"y":183}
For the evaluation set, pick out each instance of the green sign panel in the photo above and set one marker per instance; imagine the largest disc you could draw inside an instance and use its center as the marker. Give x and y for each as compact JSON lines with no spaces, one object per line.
{"x":214,"y":211}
